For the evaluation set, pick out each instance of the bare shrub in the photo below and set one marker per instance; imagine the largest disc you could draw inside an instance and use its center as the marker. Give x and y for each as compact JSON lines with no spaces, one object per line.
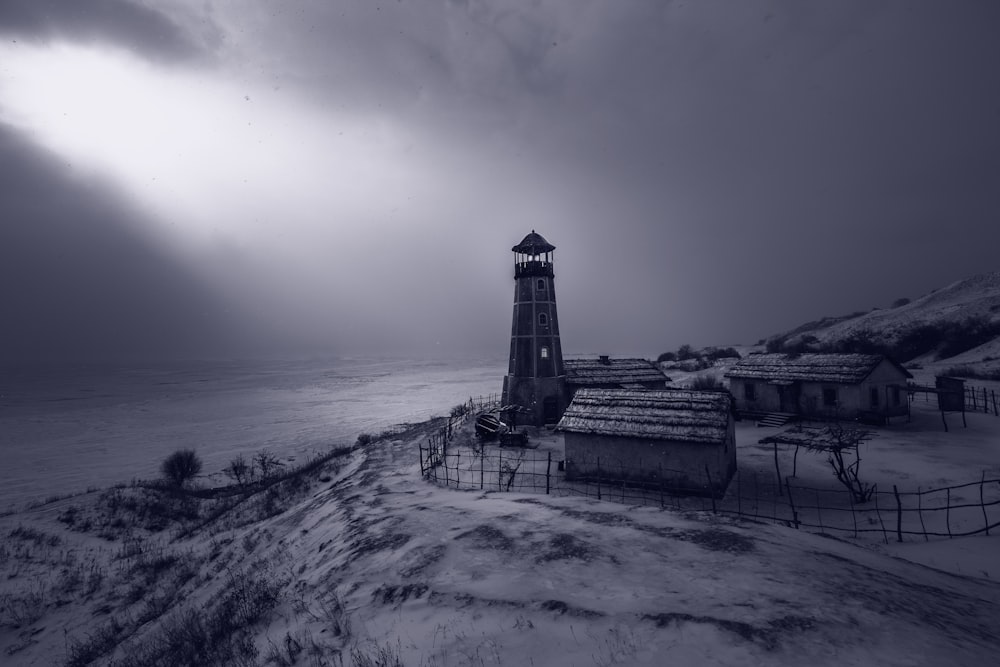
{"x":267,"y":463}
{"x":376,"y":655}
{"x":238,"y":470}
{"x":181,"y":466}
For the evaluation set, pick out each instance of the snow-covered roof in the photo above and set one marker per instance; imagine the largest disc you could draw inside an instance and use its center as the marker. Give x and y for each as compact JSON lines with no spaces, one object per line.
{"x":834,"y":368}
{"x":662,"y":414}
{"x":604,"y":372}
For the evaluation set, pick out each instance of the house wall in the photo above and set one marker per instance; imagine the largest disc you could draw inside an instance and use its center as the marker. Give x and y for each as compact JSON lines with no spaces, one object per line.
{"x":853,"y":400}
{"x":767,"y":399}
{"x":641,"y":460}
{"x":882,"y":379}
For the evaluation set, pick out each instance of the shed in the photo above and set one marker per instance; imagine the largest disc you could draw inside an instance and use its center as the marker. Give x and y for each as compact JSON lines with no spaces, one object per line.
{"x":680,"y":439}
{"x":606,"y":373}
{"x":870,"y":387}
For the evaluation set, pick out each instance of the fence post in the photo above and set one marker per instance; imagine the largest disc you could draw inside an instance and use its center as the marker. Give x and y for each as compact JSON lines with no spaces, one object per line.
{"x":920,"y":513}
{"x":777,"y":469}
{"x":622,"y":466}
{"x":791,"y":503}
{"x":548,"y":473}
{"x":885,"y":535}
{"x":444,"y":462}
{"x":947,"y":510}
{"x":986,"y":407}
{"x":819,"y":512}
{"x":993,"y":393}
{"x":421,"y":448}
{"x":661,"y":485}
{"x":711,"y":490}
{"x":986,"y":521}
{"x":482,"y":468}
{"x":500,"y":469}
{"x":739,"y":493}
{"x":899,"y":515}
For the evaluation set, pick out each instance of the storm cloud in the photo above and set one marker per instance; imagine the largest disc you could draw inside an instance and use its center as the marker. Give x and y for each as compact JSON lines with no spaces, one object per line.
{"x":351,"y":176}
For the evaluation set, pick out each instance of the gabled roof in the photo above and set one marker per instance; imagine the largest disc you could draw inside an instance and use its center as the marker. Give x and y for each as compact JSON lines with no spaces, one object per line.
{"x":812,"y":367}
{"x":680,"y":415}
{"x":598,"y":372}
{"x":533,"y":244}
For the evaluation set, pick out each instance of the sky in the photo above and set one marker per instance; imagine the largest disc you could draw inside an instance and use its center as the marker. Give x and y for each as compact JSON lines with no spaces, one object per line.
{"x":213,"y":179}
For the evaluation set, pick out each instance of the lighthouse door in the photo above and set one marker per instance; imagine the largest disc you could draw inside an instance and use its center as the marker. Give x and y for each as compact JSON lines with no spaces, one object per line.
{"x":550,"y":410}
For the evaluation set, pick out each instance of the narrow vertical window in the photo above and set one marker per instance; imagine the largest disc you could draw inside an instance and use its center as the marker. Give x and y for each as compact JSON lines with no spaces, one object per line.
{"x":750,"y":391}
{"x":874,"y":396}
{"x":545,"y":353}
{"x":543,"y":320}
{"x":540,"y":284}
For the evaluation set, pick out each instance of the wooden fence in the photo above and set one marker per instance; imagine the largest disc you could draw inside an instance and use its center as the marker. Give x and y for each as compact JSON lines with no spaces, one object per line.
{"x":952,"y":511}
{"x":981,"y":399}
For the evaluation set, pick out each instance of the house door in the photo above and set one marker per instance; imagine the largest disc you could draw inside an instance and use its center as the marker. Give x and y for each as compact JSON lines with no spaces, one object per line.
{"x":788,"y":397}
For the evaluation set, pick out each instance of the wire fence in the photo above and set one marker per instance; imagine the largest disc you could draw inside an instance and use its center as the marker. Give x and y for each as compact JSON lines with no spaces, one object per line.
{"x":459,"y":461}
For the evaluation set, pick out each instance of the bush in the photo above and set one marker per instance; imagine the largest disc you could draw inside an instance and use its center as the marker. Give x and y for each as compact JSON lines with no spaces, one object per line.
{"x":685,"y":352}
{"x":459,"y":409}
{"x":899,"y":303}
{"x":365,"y":439}
{"x":707,"y":383}
{"x":716,"y":353}
{"x":181,"y":466}
{"x":666,"y":356}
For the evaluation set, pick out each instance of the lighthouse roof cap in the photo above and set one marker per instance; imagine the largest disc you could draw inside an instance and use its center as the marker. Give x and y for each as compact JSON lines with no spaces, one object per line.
{"x":533,"y":244}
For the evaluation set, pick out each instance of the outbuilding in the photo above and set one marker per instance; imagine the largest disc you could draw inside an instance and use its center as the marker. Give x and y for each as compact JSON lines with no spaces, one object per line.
{"x":604,"y":372}
{"x":870,"y":387}
{"x":678,"y":439}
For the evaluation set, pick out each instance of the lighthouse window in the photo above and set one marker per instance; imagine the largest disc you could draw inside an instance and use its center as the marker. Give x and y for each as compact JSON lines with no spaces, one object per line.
{"x":543,"y":319}
{"x":545,"y":353}
{"x":540,"y":284}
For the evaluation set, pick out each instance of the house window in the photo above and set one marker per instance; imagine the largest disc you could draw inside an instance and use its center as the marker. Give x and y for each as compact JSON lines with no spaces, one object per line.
{"x":543,"y":320}
{"x":830,"y":397}
{"x":545,"y":353}
{"x":540,"y":284}
{"x":873,"y":393}
{"x":895,"y":395}
{"x":750,"y":391}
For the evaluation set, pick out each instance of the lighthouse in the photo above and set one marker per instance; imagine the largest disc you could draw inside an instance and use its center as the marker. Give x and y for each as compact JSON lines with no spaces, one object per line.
{"x":535,"y":378}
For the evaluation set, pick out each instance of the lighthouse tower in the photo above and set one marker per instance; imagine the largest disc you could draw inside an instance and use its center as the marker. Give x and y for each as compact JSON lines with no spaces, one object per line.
{"x":535,"y":380}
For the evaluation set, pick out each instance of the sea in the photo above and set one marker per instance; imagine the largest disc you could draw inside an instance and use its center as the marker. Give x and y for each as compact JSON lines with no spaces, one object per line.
{"x":67,"y":429}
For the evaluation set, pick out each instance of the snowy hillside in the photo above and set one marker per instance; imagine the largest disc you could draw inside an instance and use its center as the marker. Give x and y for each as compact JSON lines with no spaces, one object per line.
{"x":938,"y":325}
{"x":361,"y":562}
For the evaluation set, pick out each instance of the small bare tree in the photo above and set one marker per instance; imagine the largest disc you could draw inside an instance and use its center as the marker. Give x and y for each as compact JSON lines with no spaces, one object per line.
{"x":267,"y":462}
{"x":839,"y":440}
{"x":181,"y":466}
{"x":239,"y":470}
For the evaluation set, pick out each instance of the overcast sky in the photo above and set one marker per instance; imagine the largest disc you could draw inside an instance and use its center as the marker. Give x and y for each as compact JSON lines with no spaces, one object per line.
{"x":214,"y":179}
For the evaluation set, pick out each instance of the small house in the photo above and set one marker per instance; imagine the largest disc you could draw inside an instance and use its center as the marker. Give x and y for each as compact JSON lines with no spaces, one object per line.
{"x":870,"y":387}
{"x":603,"y":372}
{"x":678,"y":439}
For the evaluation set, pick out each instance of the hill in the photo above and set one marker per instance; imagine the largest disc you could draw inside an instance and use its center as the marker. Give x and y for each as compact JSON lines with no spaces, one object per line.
{"x":960,"y":322}
{"x":357,"y":560}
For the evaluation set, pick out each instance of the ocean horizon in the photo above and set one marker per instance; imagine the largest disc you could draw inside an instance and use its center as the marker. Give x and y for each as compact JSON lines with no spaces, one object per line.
{"x":64,"y":429}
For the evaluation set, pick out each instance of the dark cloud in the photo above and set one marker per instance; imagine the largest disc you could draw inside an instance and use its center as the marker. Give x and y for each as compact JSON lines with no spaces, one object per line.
{"x":141,"y":29}
{"x":80,"y":280}
{"x":711,"y":172}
